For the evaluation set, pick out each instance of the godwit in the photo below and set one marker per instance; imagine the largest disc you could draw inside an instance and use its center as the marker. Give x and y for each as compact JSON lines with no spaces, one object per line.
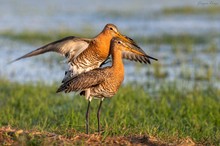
{"x":85,"y":54}
{"x":102,"y":82}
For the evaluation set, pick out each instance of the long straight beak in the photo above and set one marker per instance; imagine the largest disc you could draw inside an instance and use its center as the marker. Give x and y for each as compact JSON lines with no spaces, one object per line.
{"x":138,"y":51}
{"x":134,"y":49}
{"x":126,"y":39}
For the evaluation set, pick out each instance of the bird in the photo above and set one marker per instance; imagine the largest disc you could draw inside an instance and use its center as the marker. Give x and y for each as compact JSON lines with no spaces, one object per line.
{"x":102,"y":82}
{"x":84,"y":54}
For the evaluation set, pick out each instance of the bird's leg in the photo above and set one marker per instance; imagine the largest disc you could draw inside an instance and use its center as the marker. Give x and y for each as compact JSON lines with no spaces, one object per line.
{"x":98,"y":115}
{"x":87,"y":118}
{"x":89,"y":98}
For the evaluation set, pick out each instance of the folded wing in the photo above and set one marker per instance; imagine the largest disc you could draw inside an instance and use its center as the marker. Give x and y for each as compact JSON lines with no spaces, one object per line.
{"x":83,"y":81}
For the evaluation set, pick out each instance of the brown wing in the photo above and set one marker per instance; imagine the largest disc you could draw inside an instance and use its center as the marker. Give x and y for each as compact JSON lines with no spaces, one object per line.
{"x":69,"y":47}
{"x":83,"y":81}
{"x":136,"y":57}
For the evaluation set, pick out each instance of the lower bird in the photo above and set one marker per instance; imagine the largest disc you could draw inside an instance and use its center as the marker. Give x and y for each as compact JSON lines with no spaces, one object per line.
{"x":102,"y":82}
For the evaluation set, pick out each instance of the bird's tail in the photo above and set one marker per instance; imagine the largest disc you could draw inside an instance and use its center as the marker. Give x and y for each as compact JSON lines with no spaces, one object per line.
{"x":65,"y":86}
{"x":61,"y":88}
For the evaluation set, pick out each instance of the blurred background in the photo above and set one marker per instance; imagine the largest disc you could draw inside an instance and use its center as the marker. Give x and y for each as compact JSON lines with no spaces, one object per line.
{"x":183,"y":35}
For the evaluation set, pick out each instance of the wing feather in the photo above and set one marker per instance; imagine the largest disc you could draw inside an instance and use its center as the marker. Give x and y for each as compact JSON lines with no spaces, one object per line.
{"x":142,"y":58}
{"x":69,"y":47}
{"x":83,"y":81}
{"x":136,"y":57}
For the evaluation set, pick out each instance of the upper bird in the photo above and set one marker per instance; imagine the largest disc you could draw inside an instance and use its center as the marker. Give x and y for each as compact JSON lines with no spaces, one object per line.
{"x":85,"y":54}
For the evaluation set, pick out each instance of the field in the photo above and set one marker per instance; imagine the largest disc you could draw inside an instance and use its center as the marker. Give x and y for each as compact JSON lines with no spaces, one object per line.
{"x":175,"y":101}
{"x":34,"y":115}
{"x":161,"y":112}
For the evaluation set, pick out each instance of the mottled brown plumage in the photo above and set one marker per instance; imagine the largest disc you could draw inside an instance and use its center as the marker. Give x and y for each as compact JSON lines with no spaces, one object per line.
{"x":102,"y":82}
{"x":86,"y":54}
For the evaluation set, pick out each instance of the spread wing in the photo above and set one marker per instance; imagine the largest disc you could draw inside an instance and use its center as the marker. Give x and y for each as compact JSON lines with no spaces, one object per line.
{"x":69,"y":47}
{"x":83,"y":81}
{"x":141,"y":56}
{"x":137,"y":57}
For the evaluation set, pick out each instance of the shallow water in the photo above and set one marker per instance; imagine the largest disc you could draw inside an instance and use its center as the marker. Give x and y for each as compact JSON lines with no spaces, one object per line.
{"x":142,"y":18}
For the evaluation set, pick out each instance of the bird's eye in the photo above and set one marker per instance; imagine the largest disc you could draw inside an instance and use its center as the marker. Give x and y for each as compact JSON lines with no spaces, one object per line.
{"x":111,"y":28}
{"x":119,"y":42}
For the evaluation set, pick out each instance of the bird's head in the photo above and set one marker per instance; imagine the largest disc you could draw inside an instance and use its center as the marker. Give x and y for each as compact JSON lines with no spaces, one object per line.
{"x":112,"y":31}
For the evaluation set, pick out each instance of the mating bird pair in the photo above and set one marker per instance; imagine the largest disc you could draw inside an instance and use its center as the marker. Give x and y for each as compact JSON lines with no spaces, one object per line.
{"x":85,"y":57}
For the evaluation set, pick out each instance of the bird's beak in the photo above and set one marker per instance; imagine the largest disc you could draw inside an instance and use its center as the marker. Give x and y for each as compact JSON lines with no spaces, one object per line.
{"x":125,"y":38}
{"x":130,"y":47}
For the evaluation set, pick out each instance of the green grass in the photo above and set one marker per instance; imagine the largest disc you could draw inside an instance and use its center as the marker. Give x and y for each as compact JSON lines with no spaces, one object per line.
{"x":32,"y":37}
{"x":192,"y":10}
{"x":171,"y":114}
{"x":183,"y":39}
